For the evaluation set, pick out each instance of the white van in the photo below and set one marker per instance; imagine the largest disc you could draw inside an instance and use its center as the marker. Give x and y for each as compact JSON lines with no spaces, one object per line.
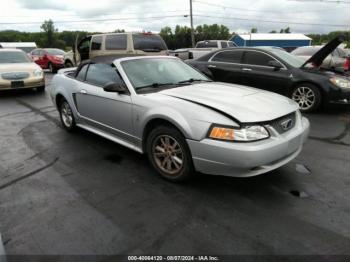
{"x":27,"y":47}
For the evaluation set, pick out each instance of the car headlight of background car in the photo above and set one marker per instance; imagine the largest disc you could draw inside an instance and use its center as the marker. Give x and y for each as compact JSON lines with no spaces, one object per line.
{"x":38,"y":73}
{"x":244,"y":134}
{"x":340,"y":82}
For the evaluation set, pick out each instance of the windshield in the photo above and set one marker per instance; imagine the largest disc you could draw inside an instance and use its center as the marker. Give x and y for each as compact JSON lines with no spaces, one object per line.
{"x":55,"y":51}
{"x":306,"y":51}
{"x":13,"y":57}
{"x":159,"y":71}
{"x":288,"y":58}
{"x":148,"y":43}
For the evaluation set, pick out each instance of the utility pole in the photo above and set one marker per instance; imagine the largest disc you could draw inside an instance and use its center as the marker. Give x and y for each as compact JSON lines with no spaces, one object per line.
{"x":192,"y":30}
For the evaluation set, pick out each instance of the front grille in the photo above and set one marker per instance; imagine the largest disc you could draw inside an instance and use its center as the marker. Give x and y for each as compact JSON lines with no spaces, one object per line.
{"x":15,"y":76}
{"x":284,"y":123}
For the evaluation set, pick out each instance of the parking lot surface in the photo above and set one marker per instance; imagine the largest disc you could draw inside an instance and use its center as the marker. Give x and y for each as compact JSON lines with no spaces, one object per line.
{"x":78,"y":193}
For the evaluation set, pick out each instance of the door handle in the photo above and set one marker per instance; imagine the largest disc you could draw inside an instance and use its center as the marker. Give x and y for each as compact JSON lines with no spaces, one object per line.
{"x":83,"y":91}
{"x":211,"y":66}
{"x":246,"y":69}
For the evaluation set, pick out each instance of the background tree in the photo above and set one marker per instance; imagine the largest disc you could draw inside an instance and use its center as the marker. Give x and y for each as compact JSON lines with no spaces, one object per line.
{"x":181,"y":37}
{"x":178,"y":38}
{"x":285,"y":31}
{"x":254,"y":30}
{"x":49,"y":30}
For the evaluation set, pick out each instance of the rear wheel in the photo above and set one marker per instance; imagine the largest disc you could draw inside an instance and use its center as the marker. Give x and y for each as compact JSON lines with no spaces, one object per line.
{"x":66,"y":115}
{"x":169,"y":153}
{"x":308,"y":97}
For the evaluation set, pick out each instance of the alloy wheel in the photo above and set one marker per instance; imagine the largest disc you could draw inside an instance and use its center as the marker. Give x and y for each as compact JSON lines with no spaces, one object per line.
{"x":305,"y":97}
{"x":66,"y":113}
{"x":168,"y":154}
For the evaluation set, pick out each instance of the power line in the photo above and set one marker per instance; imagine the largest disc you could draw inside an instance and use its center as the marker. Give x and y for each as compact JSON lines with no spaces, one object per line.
{"x":95,"y":20}
{"x":77,"y":16}
{"x":258,"y":11}
{"x":324,"y":1}
{"x":274,"y":21}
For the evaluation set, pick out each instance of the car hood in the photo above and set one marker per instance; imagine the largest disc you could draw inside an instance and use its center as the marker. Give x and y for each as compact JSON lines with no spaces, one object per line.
{"x":18,"y":67}
{"x":318,"y":58}
{"x":244,"y":104}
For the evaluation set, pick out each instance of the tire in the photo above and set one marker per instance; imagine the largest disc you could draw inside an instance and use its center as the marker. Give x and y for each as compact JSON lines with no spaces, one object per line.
{"x":40,"y":89}
{"x":166,"y":147}
{"x":66,"y":116}
{"x":308,"y":96}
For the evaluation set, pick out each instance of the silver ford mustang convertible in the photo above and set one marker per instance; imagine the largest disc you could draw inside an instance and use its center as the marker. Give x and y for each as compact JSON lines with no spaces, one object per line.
{"x":183,"y":121}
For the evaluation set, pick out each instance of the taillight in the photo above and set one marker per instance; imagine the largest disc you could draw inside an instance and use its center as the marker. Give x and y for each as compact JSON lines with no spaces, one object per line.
{"x":347,"y":65}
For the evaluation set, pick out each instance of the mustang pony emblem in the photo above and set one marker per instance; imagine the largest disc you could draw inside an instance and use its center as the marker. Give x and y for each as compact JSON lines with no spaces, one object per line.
{"x":286,"y":124}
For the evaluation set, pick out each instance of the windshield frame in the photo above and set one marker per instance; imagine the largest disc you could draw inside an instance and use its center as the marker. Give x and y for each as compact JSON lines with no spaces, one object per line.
{"x":27,"y":59}
{"x":158,"y":86}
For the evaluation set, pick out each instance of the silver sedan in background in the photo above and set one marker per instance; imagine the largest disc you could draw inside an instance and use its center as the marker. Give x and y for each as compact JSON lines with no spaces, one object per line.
{"x":183,"y":121}
{"x":339,"y":59}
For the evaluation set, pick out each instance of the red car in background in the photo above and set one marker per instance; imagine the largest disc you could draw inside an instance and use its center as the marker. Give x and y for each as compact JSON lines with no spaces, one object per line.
{"x":48,"y":58}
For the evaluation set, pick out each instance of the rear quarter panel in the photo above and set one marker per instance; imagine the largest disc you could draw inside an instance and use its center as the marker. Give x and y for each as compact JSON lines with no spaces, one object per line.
{"x":64,"y":86}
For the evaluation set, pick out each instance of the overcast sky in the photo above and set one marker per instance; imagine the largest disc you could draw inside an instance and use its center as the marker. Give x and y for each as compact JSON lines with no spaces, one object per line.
{"x":138,"y":15}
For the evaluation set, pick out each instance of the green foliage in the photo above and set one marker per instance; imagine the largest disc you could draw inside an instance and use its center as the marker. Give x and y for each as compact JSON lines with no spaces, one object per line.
{"x":320,"y":39}
{"x":181,"y":37}
{"x":285,"y":31}
{"x":50,"y":33}
{"x":119,"y":31}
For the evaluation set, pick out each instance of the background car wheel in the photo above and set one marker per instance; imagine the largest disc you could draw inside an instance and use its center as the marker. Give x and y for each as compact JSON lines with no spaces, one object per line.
{"x":169,"y":154}
{"x":66,"y":115}
{"x":40,"y":89}
{"x":307,"y":96}
{"x":52,"y":69}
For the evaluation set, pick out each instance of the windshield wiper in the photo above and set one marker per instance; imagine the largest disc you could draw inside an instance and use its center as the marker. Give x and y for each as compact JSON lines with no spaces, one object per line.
{"x":191,"y":80}
{"x":155,"y":85}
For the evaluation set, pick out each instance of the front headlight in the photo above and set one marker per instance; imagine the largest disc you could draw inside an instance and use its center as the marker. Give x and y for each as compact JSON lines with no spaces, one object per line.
{"x":340,"y":82}
{"x":244,"y":134}
{"x":38,"y":73}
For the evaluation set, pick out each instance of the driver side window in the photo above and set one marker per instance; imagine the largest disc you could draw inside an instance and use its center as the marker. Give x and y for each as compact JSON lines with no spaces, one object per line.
{"x":102,"y":74}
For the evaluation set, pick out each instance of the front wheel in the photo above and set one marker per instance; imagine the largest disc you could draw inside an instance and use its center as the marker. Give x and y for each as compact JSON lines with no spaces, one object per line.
{"x":66,"y":115}
{"x":169,"y":154}
{"x":307,"y":96}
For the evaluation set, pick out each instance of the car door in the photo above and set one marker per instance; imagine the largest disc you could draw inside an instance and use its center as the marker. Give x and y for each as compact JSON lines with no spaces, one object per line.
{"x":82,"y":50}
{"x":107,"y":111}
{"x":257,"y":72}
{"x":225,"y":66}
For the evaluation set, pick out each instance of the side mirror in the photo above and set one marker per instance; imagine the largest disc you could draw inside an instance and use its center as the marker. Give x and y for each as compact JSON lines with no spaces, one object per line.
{"x":276,"y":65}
{"x":115,"y":88}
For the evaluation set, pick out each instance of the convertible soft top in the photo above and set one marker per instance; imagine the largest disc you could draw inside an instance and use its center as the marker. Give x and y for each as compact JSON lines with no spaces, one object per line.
{"x":107,"y":59}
